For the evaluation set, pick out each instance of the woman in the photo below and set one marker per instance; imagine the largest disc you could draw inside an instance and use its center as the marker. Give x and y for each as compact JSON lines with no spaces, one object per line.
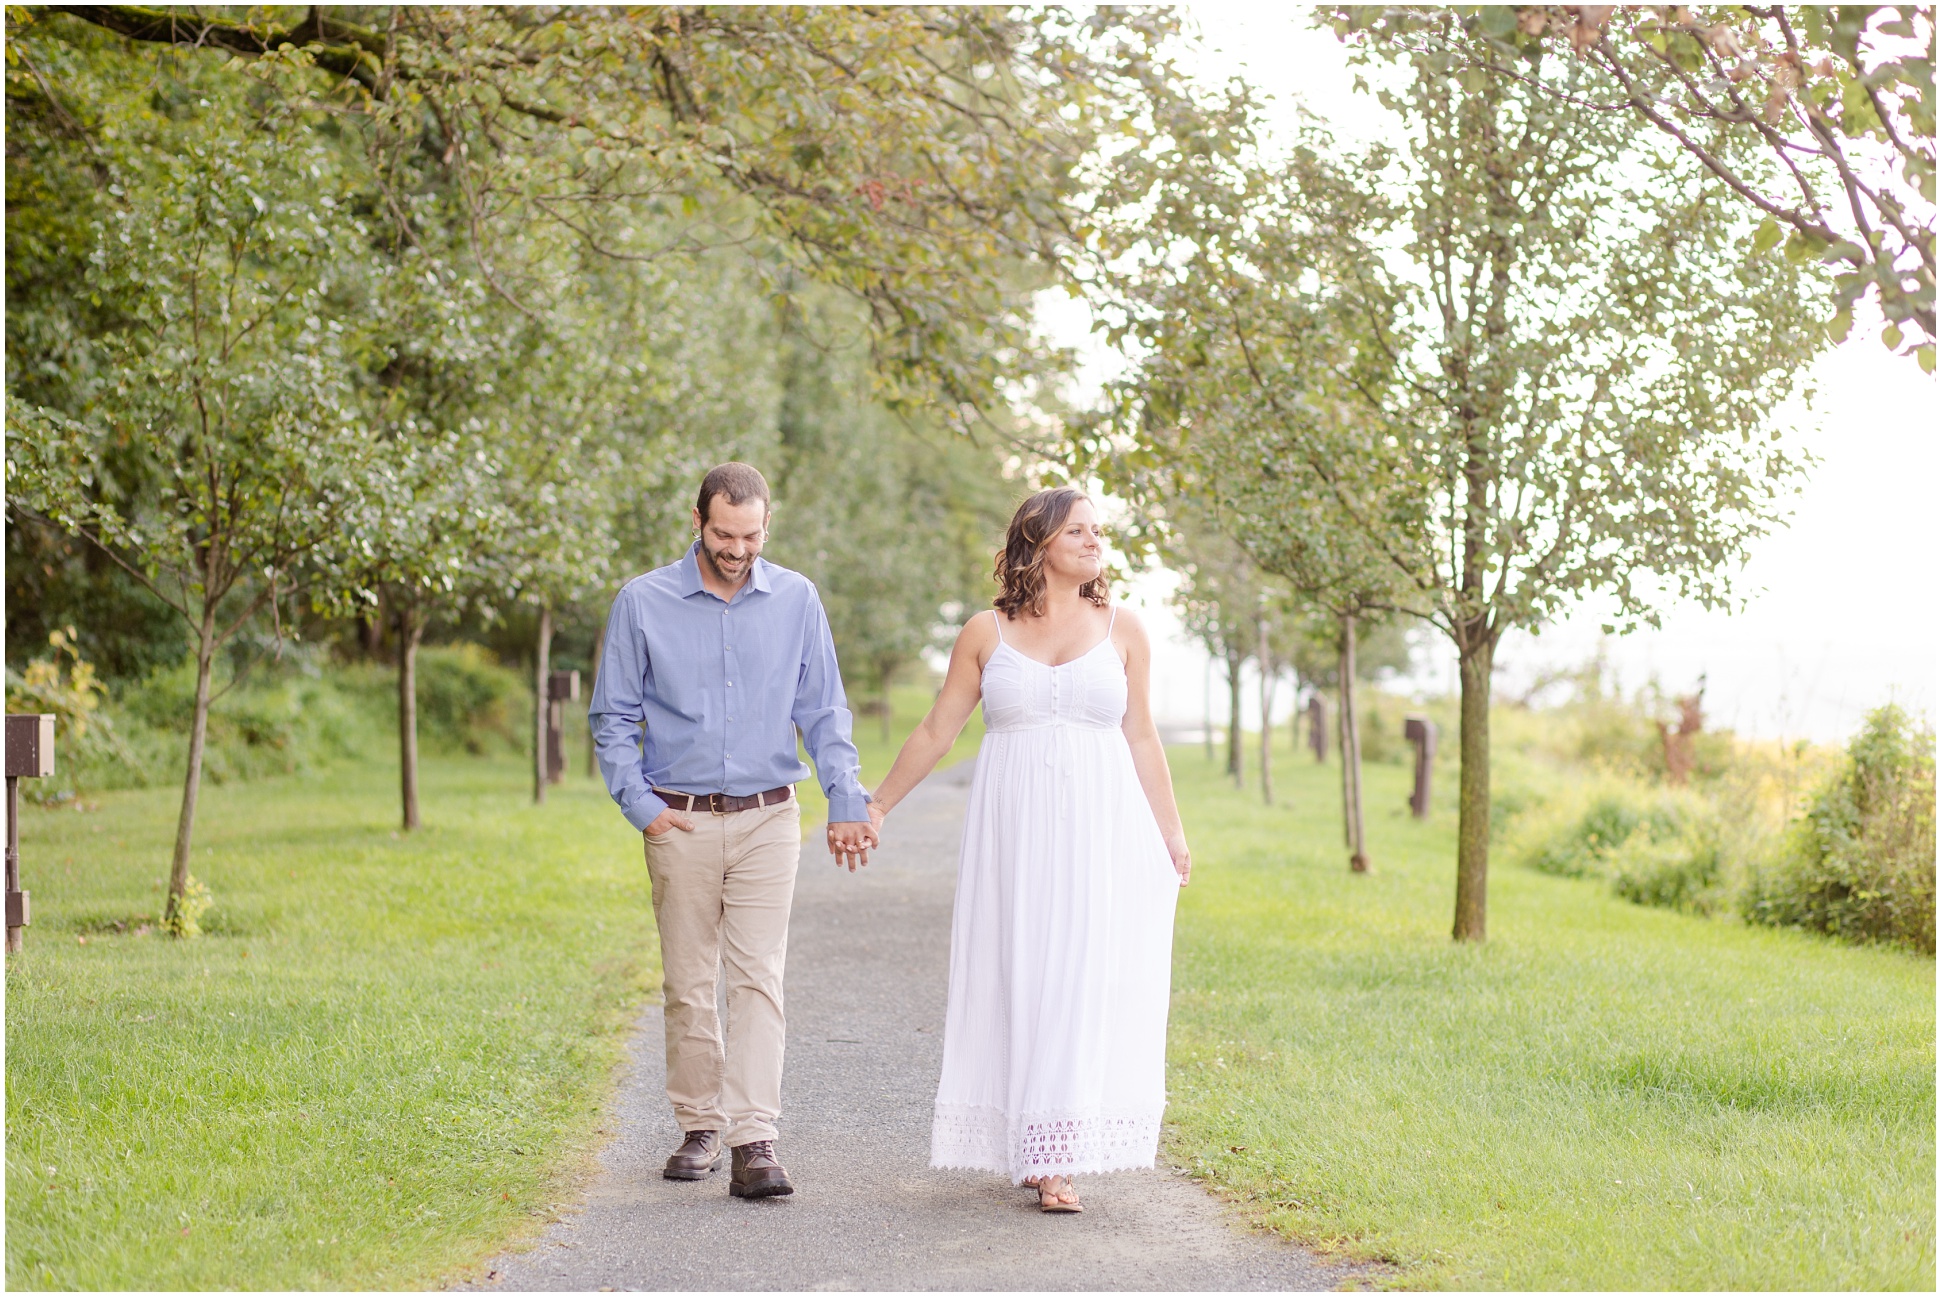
{"x":1073,"y":857}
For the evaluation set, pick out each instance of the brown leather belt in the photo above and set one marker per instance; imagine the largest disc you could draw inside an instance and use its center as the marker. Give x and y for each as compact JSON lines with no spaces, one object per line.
{"x":722,"y":803}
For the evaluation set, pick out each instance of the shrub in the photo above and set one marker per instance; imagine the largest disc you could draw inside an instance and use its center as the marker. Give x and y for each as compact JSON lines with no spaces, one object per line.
{"x":1381,"y":729}
{"x":1653,"y":846}
{"x":1678,"y":871}
{"x":1860,"y":863}
{"x":1578,"y":842}
{"x":468,"y":702}
{"x":284,"y":715}
{"x":184,"y":917}
{"x":64,"y":685}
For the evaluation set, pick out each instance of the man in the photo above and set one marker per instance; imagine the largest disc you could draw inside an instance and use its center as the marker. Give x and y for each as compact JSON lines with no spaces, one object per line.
{"x":711,"y":664}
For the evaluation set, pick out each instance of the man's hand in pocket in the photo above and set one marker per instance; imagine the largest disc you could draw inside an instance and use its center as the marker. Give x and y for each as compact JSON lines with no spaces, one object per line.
{"x":669,"y":820}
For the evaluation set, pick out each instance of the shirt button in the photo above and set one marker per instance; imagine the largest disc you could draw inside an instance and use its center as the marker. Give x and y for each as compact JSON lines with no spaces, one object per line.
{"x":731,"y":684}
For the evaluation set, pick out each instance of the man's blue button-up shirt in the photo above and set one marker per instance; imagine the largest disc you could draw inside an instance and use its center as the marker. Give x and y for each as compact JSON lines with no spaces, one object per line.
{"x":700,"y":696}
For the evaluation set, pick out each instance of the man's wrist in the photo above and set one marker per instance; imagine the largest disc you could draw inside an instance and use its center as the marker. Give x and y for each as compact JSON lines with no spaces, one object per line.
{"x":849,"y":809}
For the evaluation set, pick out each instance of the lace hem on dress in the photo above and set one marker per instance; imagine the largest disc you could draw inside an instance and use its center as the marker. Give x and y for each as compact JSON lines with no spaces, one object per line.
{"x":983,"y":1139}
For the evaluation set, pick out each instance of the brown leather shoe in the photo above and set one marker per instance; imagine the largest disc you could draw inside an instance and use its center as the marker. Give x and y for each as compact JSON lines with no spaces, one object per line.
{"x":696,"y":1158}
{"x":755,"y":1173}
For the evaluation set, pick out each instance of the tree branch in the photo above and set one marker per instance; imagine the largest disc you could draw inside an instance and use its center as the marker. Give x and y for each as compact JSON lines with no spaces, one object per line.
{"x":337,"y":46}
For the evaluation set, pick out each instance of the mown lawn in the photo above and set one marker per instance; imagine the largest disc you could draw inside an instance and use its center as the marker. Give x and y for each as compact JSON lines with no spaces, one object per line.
{"x":1603,"y":1096}
{"x":386,"y":1058}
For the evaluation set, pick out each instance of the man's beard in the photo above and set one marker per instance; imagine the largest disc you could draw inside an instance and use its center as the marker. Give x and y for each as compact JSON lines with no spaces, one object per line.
{"x":727,"y":576}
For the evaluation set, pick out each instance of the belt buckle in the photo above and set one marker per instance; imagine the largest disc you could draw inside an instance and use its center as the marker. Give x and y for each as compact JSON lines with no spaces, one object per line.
{"x":716,"y":804}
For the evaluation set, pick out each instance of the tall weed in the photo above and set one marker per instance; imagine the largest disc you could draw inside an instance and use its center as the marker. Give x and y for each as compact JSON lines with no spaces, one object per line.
{"x":296,"y":712}
{"x":1860,"y":863}
{"x":1653,"y":846}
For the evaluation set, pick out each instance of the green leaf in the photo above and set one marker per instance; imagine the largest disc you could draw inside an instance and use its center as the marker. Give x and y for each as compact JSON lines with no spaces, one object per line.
{"x":1925,"y":356}
{"x":1766,"y":235}
{"x":1891,"y":335}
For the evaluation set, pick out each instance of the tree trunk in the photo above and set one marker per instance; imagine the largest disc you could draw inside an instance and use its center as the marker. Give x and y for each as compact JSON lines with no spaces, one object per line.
{"x":1294,"y":717}
{"x":1206,"y":730}
{"x":1266,"y":715}
{"x":370,"y":632}
{"x":411,"y":632}
{"x":1234,"y":762}
{"x":1472,"y":825}
{"x":542,"y":658}
{"x":1351,"y":817}
{"x":593,"y":678}
{"x":205,"y":656}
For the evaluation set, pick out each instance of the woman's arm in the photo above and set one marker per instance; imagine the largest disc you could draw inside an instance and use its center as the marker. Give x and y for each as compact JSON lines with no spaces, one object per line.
{"x":1148,"y":753}
{"x":925,"y":747}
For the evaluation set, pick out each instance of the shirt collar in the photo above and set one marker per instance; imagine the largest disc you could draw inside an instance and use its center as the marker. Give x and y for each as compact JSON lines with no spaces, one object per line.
{"x":691,"y":573}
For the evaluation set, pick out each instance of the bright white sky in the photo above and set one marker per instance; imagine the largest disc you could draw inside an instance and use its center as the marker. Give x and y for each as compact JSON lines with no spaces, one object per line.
{"x":1842,"y":611}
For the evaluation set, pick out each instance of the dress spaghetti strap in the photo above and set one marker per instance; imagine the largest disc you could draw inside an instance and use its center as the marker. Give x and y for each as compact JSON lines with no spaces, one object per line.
{"x":1111,"y":621}
{"x":997,"y":619}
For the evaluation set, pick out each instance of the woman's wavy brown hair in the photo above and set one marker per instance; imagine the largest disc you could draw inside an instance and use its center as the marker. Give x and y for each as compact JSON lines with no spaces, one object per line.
{"x":1020,"y":567}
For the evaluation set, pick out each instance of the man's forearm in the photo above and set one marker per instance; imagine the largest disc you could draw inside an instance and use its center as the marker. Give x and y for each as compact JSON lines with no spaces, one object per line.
{"x":616,"y":744}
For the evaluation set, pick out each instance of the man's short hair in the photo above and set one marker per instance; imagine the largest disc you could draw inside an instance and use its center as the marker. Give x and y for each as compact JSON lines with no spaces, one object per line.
{"x":739,"y":482}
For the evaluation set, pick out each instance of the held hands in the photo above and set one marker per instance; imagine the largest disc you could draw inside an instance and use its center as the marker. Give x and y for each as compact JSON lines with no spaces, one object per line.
{"x":850,"y":842}
{"x":1182,"y":858}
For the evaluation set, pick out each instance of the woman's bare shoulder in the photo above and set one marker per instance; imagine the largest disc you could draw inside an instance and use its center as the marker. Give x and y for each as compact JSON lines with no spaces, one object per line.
{"x":979,"y":634}
{"x":1128,"y":627}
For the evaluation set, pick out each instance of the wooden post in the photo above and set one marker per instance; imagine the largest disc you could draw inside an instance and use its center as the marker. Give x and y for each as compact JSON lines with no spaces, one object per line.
{"x":1421,"y":731}
{"x":541,"y":705}
{"x":16,"y":899}
{"x":30,"y":755}
{"x":1317,"y":726}
{"x":593,"y":678}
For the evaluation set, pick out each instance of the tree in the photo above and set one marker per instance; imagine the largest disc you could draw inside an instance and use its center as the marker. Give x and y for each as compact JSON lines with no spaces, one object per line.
{"x":895,"y":520}
{"x":220,"y":454}
{"x":1218,"y":600}
{"x":1241,"y":396}
{"x":55,"y":198}
{"x":434,"y":374}
{"x":1525,"y":360}
{"x":1837,"y":100}
{"x":912,"y":157}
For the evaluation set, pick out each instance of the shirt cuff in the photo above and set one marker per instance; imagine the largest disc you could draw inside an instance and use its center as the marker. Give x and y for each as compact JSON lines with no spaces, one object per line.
{"x":849,"y":808}
{"x":643,"y":810}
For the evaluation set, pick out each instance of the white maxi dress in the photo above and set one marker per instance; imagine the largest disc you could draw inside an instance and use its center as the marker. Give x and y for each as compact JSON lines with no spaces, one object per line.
{"x":1061,"y":941}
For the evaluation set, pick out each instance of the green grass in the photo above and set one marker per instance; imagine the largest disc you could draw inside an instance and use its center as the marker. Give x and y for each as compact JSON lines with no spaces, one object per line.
{"x":1602,"y":1096}
{"x":386,"y":1057}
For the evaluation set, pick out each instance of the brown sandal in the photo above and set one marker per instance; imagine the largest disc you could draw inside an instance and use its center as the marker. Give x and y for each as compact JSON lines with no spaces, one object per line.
{"x":1048,"y":1194}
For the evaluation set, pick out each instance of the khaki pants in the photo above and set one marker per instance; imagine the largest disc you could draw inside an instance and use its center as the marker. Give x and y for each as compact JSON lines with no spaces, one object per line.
{"x":721,"y":897}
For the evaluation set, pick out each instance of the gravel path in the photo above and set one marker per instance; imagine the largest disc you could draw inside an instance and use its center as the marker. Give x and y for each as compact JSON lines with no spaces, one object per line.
{"x":866,"y":977}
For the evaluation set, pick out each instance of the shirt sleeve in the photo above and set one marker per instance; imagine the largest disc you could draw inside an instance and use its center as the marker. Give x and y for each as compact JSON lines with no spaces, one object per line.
{"x":822,"y":714}
{"x":617,"y":716}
